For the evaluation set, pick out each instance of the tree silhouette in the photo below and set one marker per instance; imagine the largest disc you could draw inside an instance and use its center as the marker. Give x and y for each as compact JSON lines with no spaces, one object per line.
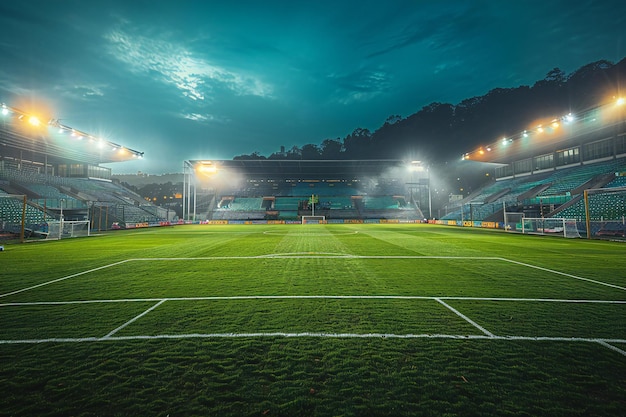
{"x":438,"y":128}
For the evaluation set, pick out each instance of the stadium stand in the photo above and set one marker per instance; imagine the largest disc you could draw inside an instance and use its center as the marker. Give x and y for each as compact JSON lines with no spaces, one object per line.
{"x":59,"y":180}
{"x":285,"y":190}
{"x":531,"y":193}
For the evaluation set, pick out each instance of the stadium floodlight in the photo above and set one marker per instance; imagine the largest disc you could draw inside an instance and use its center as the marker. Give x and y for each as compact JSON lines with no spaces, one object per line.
{"x":206,"y":168}
{"x":416,"y":166}
{"x":569,"y":118}
{"x":34,"y":120}
{"x":101,"y":143}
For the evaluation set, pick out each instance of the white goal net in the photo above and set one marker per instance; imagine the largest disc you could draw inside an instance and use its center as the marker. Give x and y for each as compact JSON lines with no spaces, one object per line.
{"x":313,"y":219}
{"x":66,"y":229}
{"x":550,"y":226}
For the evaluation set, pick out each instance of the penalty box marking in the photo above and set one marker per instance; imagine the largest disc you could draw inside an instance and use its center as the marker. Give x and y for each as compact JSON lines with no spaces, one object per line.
{"x":607,"y":343}
{"x":314,"y":255}
{"x":486,"y":334}
{"x":327,"y":297}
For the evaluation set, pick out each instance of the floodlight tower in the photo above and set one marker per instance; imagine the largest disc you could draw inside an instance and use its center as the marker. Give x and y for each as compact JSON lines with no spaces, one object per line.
{"x":188,"y":174}
{"x":418,"y":168}
{"x":191,"y":171}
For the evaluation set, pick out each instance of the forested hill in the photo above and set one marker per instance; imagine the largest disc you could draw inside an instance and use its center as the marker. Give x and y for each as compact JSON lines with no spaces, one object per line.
{"x":443,"y":131}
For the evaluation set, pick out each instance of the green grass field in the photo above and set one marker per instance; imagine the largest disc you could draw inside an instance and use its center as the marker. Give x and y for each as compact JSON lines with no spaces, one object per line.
{"x":314,"y":320}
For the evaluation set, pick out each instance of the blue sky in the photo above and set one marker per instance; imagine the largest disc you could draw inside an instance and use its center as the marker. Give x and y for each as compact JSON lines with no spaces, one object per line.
{"x":214,"y":79}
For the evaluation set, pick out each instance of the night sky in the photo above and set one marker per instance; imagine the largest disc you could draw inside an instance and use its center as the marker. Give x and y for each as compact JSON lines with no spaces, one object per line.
{"x":215,"y":79}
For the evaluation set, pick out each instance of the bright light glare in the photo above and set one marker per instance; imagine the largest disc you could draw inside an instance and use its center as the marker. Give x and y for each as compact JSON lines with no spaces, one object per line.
{"x":569,"y":118}
{"x":34,"y":121}
{"x":416,"y":166}
{"x":5,"y":111}
{"x":207,"y":169}
{"x":620,"y":101}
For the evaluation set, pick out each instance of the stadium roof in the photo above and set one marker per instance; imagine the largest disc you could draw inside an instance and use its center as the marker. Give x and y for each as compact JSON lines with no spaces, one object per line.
{"x":304,"y":169}
{"x":555,"y":133}
{"x":24,"y":136}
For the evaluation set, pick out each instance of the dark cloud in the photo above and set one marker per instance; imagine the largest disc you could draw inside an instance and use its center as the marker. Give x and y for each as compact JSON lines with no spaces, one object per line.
{"x":208,"y":79}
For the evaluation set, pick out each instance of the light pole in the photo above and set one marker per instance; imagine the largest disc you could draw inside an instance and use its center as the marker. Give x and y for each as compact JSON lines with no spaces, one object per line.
{"x":61,"y":201}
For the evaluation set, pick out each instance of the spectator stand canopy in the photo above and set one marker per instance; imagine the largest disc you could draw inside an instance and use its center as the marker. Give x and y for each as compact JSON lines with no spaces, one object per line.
{"x":24,"y":137}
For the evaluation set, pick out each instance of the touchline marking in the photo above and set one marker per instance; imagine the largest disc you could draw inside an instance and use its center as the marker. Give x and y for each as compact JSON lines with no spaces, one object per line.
{"x":464,"y":317}
{"x":564,"y":274}
{"x":134,"y":319}
{"x":296,"y":297}
{"x":64,"y":278}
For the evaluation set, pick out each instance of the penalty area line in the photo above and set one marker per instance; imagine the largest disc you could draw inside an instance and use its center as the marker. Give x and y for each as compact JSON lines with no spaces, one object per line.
{"x":63,"y":278}
{"x":564,"y":274}
{"x":603,"y":342}
{"x":311,"y":297}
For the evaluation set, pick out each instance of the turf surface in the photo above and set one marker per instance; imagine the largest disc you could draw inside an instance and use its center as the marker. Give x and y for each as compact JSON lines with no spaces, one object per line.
{"x":313,"y":320}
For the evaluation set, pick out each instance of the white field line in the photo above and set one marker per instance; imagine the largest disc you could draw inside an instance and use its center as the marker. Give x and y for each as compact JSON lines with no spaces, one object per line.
{"x":268,"y":256}
{"x":111,"y":333}
{"x":603,"y":342}
{"x":315,"y":255}
{"x":564,"y":274}
{"x":464,"y":317}
{"x":328,"y":297}
{"x":64,"y":278}
{"x":616,"y":349}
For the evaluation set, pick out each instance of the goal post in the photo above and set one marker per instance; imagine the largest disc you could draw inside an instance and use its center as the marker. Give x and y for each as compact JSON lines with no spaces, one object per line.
{"x":513,"y":222}
{"x":313,"y":219}
{"x":65,"y":229}
{"x":552,"y":226}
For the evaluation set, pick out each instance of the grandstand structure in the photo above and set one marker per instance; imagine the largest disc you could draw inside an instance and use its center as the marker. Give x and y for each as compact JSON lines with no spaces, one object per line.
{"x":572,"y":167}
{"x":247,"y":190}
{"x":57,"y":168}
